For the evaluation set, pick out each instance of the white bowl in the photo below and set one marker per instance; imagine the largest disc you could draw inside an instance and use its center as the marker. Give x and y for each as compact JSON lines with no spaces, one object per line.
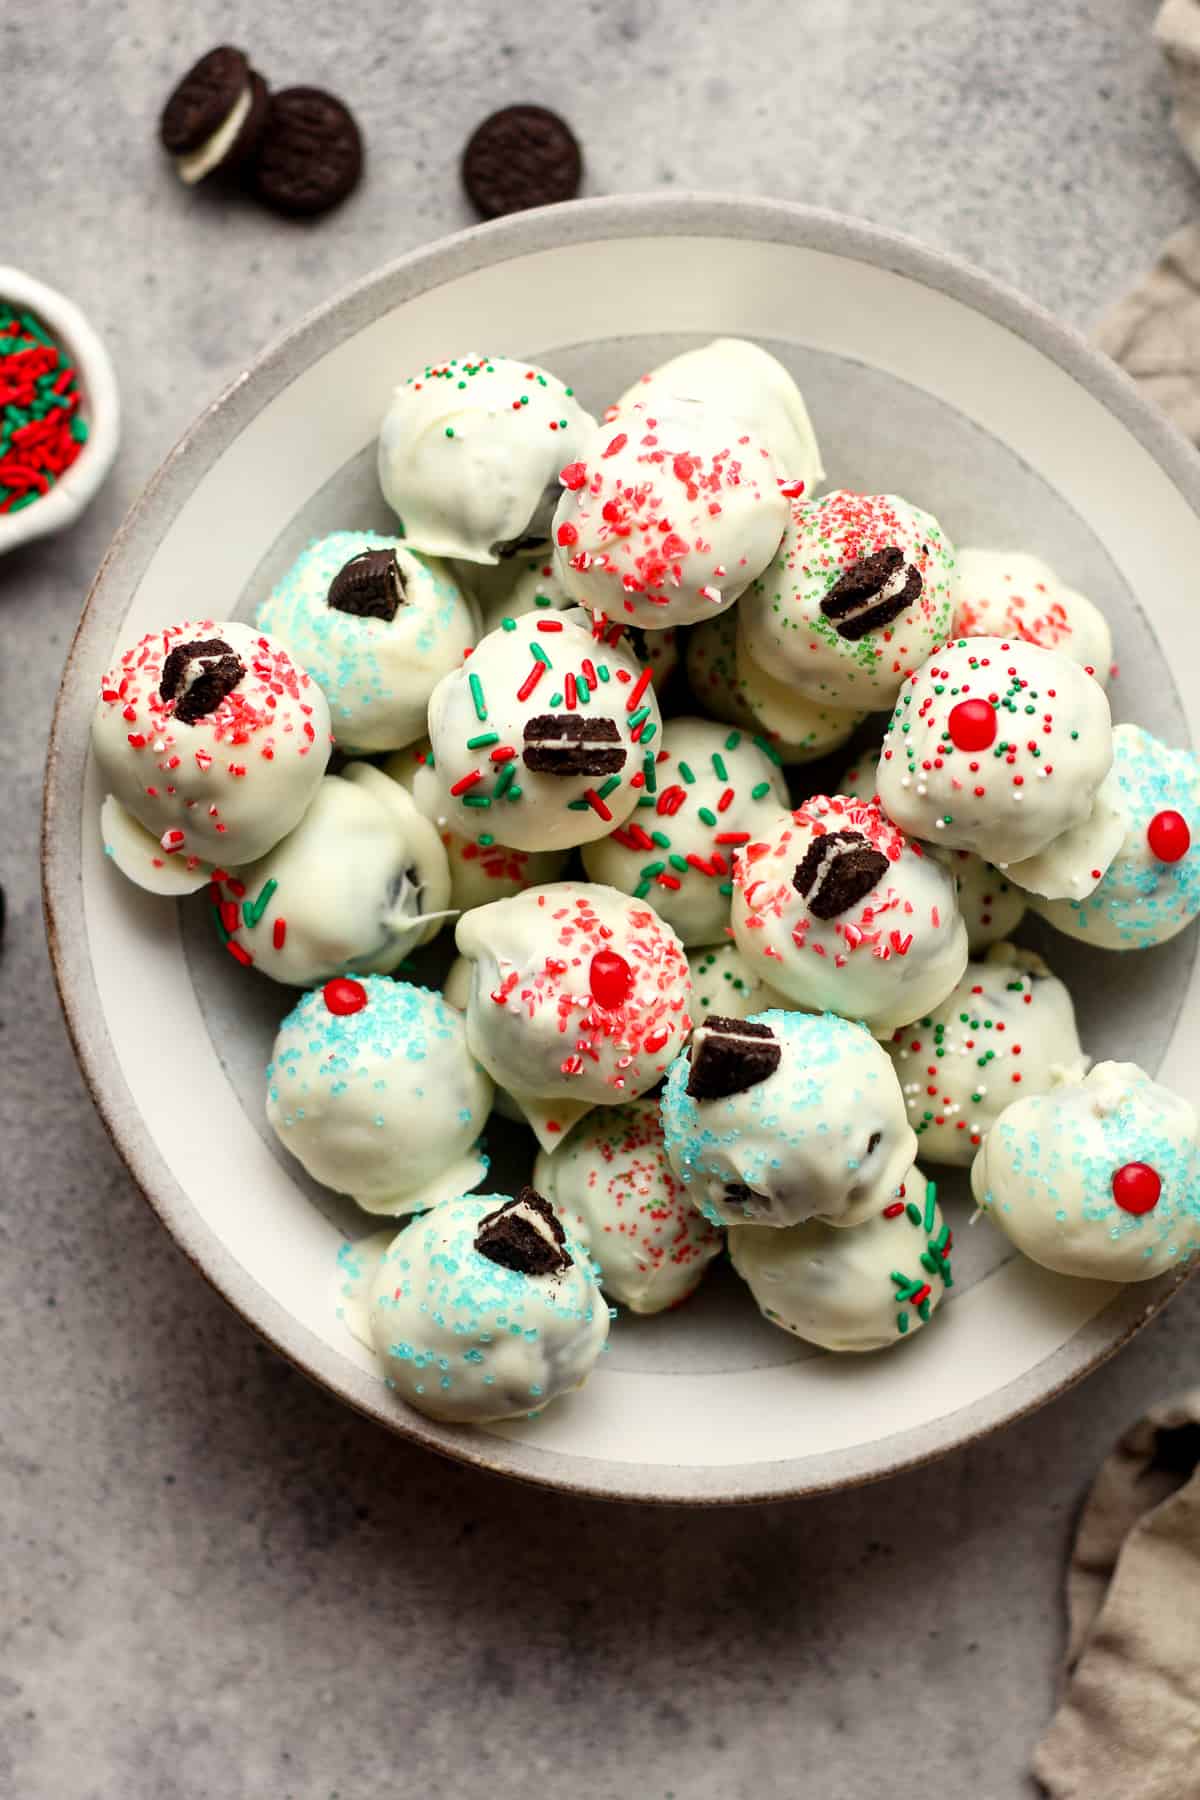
{"x":922,"y":377}
{"x":100,"y":406}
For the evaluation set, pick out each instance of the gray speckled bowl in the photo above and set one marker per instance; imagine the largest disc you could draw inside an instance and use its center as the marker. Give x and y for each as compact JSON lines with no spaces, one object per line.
{"x":922,"y":377}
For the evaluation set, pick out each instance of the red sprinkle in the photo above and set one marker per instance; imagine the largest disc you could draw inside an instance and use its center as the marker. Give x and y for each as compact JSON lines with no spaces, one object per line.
{"x":343,"y":996}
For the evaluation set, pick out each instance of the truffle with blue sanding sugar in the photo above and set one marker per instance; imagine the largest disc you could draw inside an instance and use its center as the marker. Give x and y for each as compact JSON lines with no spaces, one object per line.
{"x":1098,"y":1178}
{"x":858,"y":1290}
{"x":485,"y":1308}
{"x":1150,"y":889}
{"x":788,"y":1116}
{"x":372,"y":1087}
{"x":376,"y":626}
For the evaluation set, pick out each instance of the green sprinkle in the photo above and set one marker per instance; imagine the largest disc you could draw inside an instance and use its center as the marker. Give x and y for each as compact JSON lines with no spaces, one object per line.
{"x":686,"y":771}
{"x":930,"y":1204}
{"x":508,"y":624}
{"x":537,"y":651}
{"x":253,"y":910}
{"x":642,"y":890}
{"x":651,"y":870}
{"x":476,"y":799}
{"x":554,"y":700}
{"x":726,"y":888}
{"x":613,"y":782}
{"x":602,"y":671}
{"x":514,"y":792}
{"x":678,"y":862}
{"x":718,"y":763}
{"x":648,"y":731}
{"x":483,"y":740}
{"x":449,"y":431}
{"x":902,"y":1323}
{"x":504,"y":780}
{"x":639,"y":717}
{"x":733,"y":740}
{"x":761,"y":791}
{"x":476,"y":687}
{"x":486,"y":839}
{"x":661,"y":839}
{"x":708,"y":815}
{"x":911,"y":1211}
{"x":648,"y":771}
{"x":582,"y":689}
{"x":768,"y":750}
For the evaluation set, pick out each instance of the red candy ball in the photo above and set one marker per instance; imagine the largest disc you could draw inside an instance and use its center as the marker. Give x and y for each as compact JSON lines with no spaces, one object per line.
{"x":344,"y":996}
{"x":1136,"y":1188}
{"x":1168,"y":836}
{"x":972,"y":725}
{"x":611,"y":979}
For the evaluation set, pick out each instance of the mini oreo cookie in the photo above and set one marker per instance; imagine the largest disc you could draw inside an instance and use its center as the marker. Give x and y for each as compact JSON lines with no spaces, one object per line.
{"x":203,"y":100}
{"x":518,"y":157}
{"x":573,"y":744}
{"x":370,"y":585}
{"x":221,"y":672}
{"x":871,"y":594}
{"x":730,"y":1055}
{"x":838,"y":870}
{"x":310,"y":156}
{"x":525,"y":1234}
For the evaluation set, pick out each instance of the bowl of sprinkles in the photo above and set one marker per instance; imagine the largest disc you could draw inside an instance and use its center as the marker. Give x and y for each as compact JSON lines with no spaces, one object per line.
{"x":59,"y":410}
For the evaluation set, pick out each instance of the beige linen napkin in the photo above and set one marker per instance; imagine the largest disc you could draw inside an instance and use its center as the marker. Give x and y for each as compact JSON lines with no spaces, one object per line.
{"x":1154,"y":332}
{"x":1128,"y":1727}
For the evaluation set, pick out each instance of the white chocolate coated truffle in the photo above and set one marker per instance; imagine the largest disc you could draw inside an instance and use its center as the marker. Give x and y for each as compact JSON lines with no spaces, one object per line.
{"x":543,"y":737}
{"x":1006,"y":1030}
{"x":855,"y":599}
{"x":212,"y":739}
{"x":1150,"y":889}
{"x":668,"y":514}
{"x":359,"y":884}
{"x":713,"y":790}
{"x":469,"y":455}
{"x":732,"y":688}
{"x":991,"y":906}
{"x":377,"y":666}
{"x":579,"y":996}
{"x":468,"y":1339}
{"x":371,"y":1086}
{"x":785,"y":1117}
{"x":1097,"y":1178}
{"x":840,"y":911}
{"x":858,"y":1290}
{"x":480,"y":868}
{"x":1008,"y":593}
{"x":745,"y":382}
{"x":1072,"y":864}
{"x":995,"y":746}
{"x":723,"y":982}
{"x":617,"y":1192}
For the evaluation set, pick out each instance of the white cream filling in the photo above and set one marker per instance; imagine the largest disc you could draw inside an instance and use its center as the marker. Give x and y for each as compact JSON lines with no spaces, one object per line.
{"x":198,"y":163}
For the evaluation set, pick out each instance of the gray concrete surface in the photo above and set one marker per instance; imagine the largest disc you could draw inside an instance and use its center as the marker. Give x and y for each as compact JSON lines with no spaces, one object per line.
{"x":215,"y":1582}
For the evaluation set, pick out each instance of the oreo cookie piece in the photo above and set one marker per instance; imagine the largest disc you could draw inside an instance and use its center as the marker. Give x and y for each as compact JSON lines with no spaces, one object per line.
{"x":573,"y":744}
{"x":730,"y":1055}
{"x":310,"y":156}
{"x":518,"y":157}
{"x":837,"y":871}
{"x":370,"y":585}
{"x":220,"y":673}
{"x":203,"y":101}
{"x":873,"y":593}
{"x":526,"y":1234}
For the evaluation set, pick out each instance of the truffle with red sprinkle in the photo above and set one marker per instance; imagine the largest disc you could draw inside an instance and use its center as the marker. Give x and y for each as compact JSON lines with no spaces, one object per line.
{"x":713,"y":790}
{"x":668,"y":515}
{"x":579,"y":998}
{"x":857,"y":1290}
{"x":1005,"y":1030}
{"x":856,"y":598}
{"x":1007,"y":593}
{"x":618,"y":1195}
{"x":211,"y":742}
{"x":995,"y":746}
{"x":547,"y":735}
{"x":838,"y":910}
{"x":1098,"y":1178}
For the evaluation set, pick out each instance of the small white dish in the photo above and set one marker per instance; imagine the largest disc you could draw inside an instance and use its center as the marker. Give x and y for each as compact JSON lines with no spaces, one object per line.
{"x":100,"y":407}
{"x":923,"y":377}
